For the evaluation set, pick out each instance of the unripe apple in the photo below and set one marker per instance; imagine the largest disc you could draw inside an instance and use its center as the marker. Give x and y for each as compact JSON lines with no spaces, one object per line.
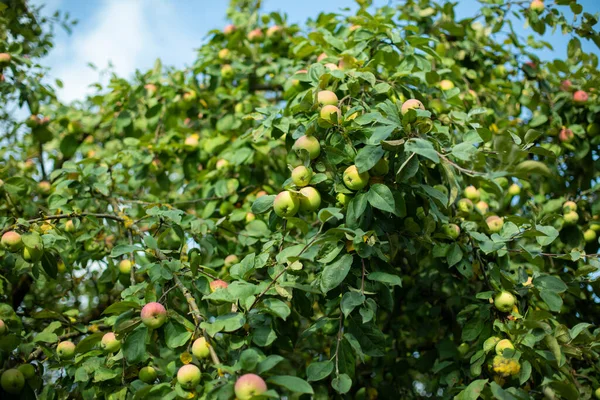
{"x":201,"y":348}
{"x":147,"y":374}
{"x":446,"y":84}
{"x":494,"y":223}
{"x":218,"y":284}
{"x":566,"y":135}
{"x":224,"y":54}
{"x":250,"y":217}
{"x":411,"y":104}
{"x":44,"y":187}
{"x":502,"y":182}
{"x":482,"y":207}
{"x":569,"y":206}
{"x":571,"y":217}
{"x":27,"y":370}
{"x":536,"y":5}
{"x":327,"y":113}
{"x":463,"y":349}
{"x":249,"y":385}
{"x":109,"y":343}
{"x":502,"y":345}
{"x":33,"y":254}
{"x":441,"y":188}
{"x":188,"y":376}
{"x":310,"y":199}
{"x":65,"y":350}
{"x":344,"y":199}
{"x":504,"y":301}
{"x":331,"y":66}
{"x":12,"y":381}
{"x":301,"y":176}
{"x":12,"y":241}
{"x":286,"y":204}
{"x":589,"y":235}
{"x":381,"y":168}
{"x":355,"y":180}
{"x":230,"y":260}
{"x":229,"y":29}
{"x":3,"y":327}
{"x":580,"y":97}
{"x":5,"y":58}
{"x":593,"y":129}
{"x":514,"y":189}
{"x":354,"y":27}
{"x":227,"y":72}
{"x":255,"y":35}
{"x":222,"y":164}
{"x":69,"y":226}
{"x":125,"y":266}
{"x":597,"y":393}
{"x":153,"y":315}
{"x":472,"y":193}
{"x":327,"y":97}
{"x":451,"y":230}
{"x":465,"y":206}
{"x":310,"y":144}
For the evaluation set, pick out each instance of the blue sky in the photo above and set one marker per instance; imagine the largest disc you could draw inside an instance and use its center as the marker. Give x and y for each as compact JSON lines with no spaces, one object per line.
{"x":133,"y":33}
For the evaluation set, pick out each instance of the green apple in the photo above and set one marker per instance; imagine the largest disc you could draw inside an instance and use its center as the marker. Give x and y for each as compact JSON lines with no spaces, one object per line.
{"x":230,"y":260}
{"x":446,"y":85}
{"x":227,"y":72}
{"x":201,"y":348}
{"x":411,"y":104}
{"x":310,"y":144}
{"x":441,"y":188}
{"x":218,"y":284}
{"x":571,"y":217}
{"x":463,"y":349}
{"x":301,"y":176}
{"x":465,"y":206}
{"x":327,"y":113}
{"x":514,"y":189}
{"x":147,"y":374}
{"x":221,"y":164}
{"x":472,"y":193}
{"x":188,"y":376}
{"x":597,"y":393}
{"x":69,"y":226}
{"x":536,"y":5}
{"x":344,"y":199}
{"x":504,"y":301}
{"x":286,"y":204}
{"x":110,"y":343}
{"x":494,"y":223}
{"x":248,"y":386}
{"x":327,"y":98}
{"x":580,"y":97}
{"x":44,"y":187}
{"x":27,"y":370}
{"x":589,"y":235}
{"x":355,"y":180}
{"x":381,"y":168}
{"x":482,"y":207}
{"x":154,"y":315}
{"x":310,"y":199}
{"x":451,"y":230}
{"x":12,"y":381}
{"x":125,"y":266}
{"x":502,"y":182}
{"x":593,"y":129}
{"x":33,"y":254}
{"x":569,"y":206}
{"x":12,"y":241}
{"x":503,"y":345}
{"x":65,"y":350}
{"x":250,"y":217}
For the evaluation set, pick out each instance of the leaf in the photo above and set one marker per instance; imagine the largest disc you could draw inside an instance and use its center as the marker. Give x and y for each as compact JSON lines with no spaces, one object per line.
{"x":263,"y":204}
{"x":121,"y":307}
{"x":367,"y":157}
{"x":334,"y":274}
{"x":176,"y":335}
{"x":319,"y":370}
{"x":423,"y":148}
{"x":577,"y":329}
{"x":550,"y":283}
{"x":46,"y":337}
{"x":350,"y":300}
{"x":269,"y":363}
{"x":473,"y":391}
{"x":552,"y":299}
{"x":134,"y":347}
{"x":342,"y":383}
{"x":455,"y":254}
{"x":292,"y":383}
{"x":464,"y":151}
{"x":500,"y":393}
{"x":380,"y":196}
{"x":276,"y":307}
{"x":384,"y":277}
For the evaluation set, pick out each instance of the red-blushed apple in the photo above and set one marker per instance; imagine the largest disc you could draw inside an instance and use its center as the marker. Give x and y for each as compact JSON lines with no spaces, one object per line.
{"x":504,"y":301}
{"x":327,"y":113}
{"x":344,"y":199}
{"x":70,"y":226}
{"x":327,"y":97}
{"x":446,"y":84}
{"x":589,"y":235}
{"x":224,"y":54}
{"x":255,"y":35}
{"x":536,"y":5}
{"x":310,"y":199}
{"x":27,"y":370}
{"x":494,"y":223}
{"x":465,"y":206}
{"x":249,"y":385}
{"x":44,"y":187}
{"x":274,"y":32}
{"x":147,"y":374}
{"x":3,"y":327}
{"x":571,"y":217}
{"x":566,"y":135}
{"x":286,"y":204}
{"x":301,"y":176}
{"x":151,"y":88}
{"x":451,"y":230}
{"x":230,"y":260}
{"x":250,"y":217}
{"x":482,"y":207}
{"x":381,"y":168}
{"x":125,"y":266}
{"x":5,"y":58}
{"x":411,"y":104}
{"x":355,"y":180}
{"x":218,"y":284}
{"x":229,"y":29}
{"x":580,"y":97}
{"x":153,"y":315}
{"x":188,"y":376}
{"x":12,"y":381}
{"x":222,"y":164}
{"x":472,"y":193}
{"x":65,"y":350}
{"x":565,"y":85}
{"x":12,"y":241}
{"x":227,"y":72}
{"x":569,"y":206}
{"x":514,"y":189}
{"x":261,"y":194}
{"x":503,"y":345}
{"x":201,"y":348}
{"x":110,"y":343}
{"x":331,"y":66}
{"x":310,"y":144}
{"x":321,"y":57}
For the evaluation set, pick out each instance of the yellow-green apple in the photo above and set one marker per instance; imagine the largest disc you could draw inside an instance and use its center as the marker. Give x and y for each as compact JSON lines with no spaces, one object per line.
{"x":286,"y":204}
{"x":355,"y":180}
{"x":110,"y":343}
{"x":12,"y":381}
{"x":441,"y":188}
{"x":471,"y":193}
{"x":3,"y":327}
{"x":33,"y":254}
{"x":310,"y":199}
{"x":504,"y":301}
{"x":465,"y":206}
{"x":69,"y":226}
{"x":571,"y":217}
{"x":536,"y":5}
{"x":381,"y":168}
{"x":589,"y":235}
{"x":261,"y":194}
{"x":5,"y":58}
{"x":569,"y":206}
{"x":229,"y":29}
{"x":224,"y":54}
{"x":250,"y":217}
{"x":44,"y":187}
{"x":201,"y":348}
{"x":218,"y":284}
{"x":274,"y":32}
{"x":502,"y":182}
{"x":463,"y":349}
{"x":125,"y":266}
{"x":327,"y":97}
{"x":503,"y":345}
{"x":446,"y":84}
{"x":255,"y":35}
{"x":514,"y":189}
{"x":147,"y":374}
{"x":301,"y":176}
{"x":27,"y":370}
{"x":494,"y":223}
{"x":580,"y":97}
{"x":451,"y":230}
{"x":227,"y":72}
{"x":310,"y":144}
{"x":188,"y":376}
{"x":411,"y":104}
{"x":593,"y":129}
{"x":12,"y":241}
{"x":153,"y":315}
{"x":222,"y":164}
{"x":482,"y":207}
{"x":327,"y":113}
{"x":248,"y":386}
{"x":230,"y":260}
{"x":354,"y":27}
{"x":65,"y":350}
{"x":566,"y":135}
{"x":344,"y":199}
{"x":597,"y":393}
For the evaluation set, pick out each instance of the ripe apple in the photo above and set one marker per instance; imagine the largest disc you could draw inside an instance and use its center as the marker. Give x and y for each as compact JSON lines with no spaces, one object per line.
{"x":261,"y":194}
{"x":536,"y":5}
{"x":3,"y":327}
{"x":580,"y":97}
{"x":218,"y":284}
{"x":65,"y":350}
{"x":327,"y":113}
{"x":569,"y":206}
{"x":286,"y":204}
{"x":589,"y":235}
{"x":150,"y":88}
{"x":109,"y":343}
{"x":494,"y":223}
{"x":255,"y":35}
{"x":411,"y":104}
{"x":12,"y":381}
{"x":566,"y":135}
{"x":465,"y":206}
{"x":571,"y":217}
{"x":69,"y":226}
{"x":27,"y":370}
{"x":482,"y":207}
{"x":12,"y":241}
{"x":504,"y":301}
{"x":44,"y":187}
{"x":147,"y":374}
{"x":381,"y":168}
{"x":354,"y":27}
{"x":230,"y":260}
{"x":201,"y":348}
{"x":310,"y":144}
{"x":249,"y":385}
{"x":451,"y":230}
{"x":310,"y":199}
{"x":514,"y":189}
{"x":471,"y":193}
{"x":355,"y":180}
{"x":502,"y":345}
{"x":565,"y":85}
{"x":301,"y":176}
{"x":344,"y":199}
{"x":153,"y":315}
{"x":125,"y":266}
{"x":327,"y":98}
{"x":188,"y":376}
{"x":5,"y":58}
{"x":227,"y":72}
{"x":446,"y":84}
{"x":229,"y":29}
{"x":224,"y":54}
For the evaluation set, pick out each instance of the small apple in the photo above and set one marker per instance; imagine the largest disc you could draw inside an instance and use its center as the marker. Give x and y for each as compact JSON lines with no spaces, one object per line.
{"x":12,"y":241}
{"x":536,"y":5}
{"x":310,"y":144}
{"x":355,"y":180}
{"x":354,"y":27}
{"x":224,"y":54}
{"x":565,"y":85}
{"x":301,"y":176}
{"x":218,"y":284}
{"x":597,"y":393}
{"x":109,"y":343}
{"x":327,"y":98}
{"x":589,"y":235}
{"x":227,"y":72}
{"x":593,"y":129}
{"x":344,"y":199}
{"x":472,"y":193}
{"x":463,"y":349}
{"x":381,"y":168}
{"x":147,"y":374}
{"x":494,"y":223}
{"x":249,"y":385}
{"x":230,"y":260}
{"x":571,"y":217}
{"x":65,"y":350}
{"x":502,"y":182}
{"x":274,"y":32}
{"x":446,"y":84}
{"x":310,"y":199}
{"x":566,"y":135}
{"x":150,"y":88}
{"x":5,"y":58}
{"x":44,"y":187}
{"x":188,"y":376}
{"x":3,"y":327}
{"x":125,"y":266}
{"x":514,"y":190}
{"x":153,"y":315}
{"x":250,"y":217}
{"x":465,"y":206}
{"x":222,"y":164}
{"x":504,"y":301}
{"x":286,"y":204}
{"x":229,"y":29}
{"x":503,"y":345}
{"x":33,"y":254}
{"x":27,"y":370}
{"x":580,"y":97}
{"x":255,"y":35}
{"x":12,"y":381}
{"x":482,"y":207}
{"x":69,"y":226}
{"x":569,"y":206}
{"x":201,"y":348}
{"x":327,"y":113}
{"x":261,"y":194}
{"x":411,"y":104}
{"x":451,"y":230}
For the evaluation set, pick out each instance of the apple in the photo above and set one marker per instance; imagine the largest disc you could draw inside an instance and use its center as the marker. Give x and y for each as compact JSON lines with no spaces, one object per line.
{"x":580,"y":97}
{"x":27,"y":370}
{"x":565,"y":85}
{"x":33,"y":254}
{"x":227,"y":72}
{"x":255,"y":35}
{"x":274,"y":32}
{"x":327,"y":113}
{"x":451,"y":230}
{"x":514,"y":189}
{"x":446,"y":84}
{"x":482,"y":207}
{"x":321,"y":57}
{"x":109,"y":343}
{"x":69,"y":226}
{"x":190,"y":97}
{"x":125,"y":266}
{"x":331,"y":66}
{"x":153,"y":315}
{"x":218,"y":284}
{"x":5,"y":58}
{"x":201,"y":348}
{"x":221,"y":164}
{"x":12,"y":241}
{"x":441,"y":188}
{"x":65,"y":350}
{"x":44,"y":187}
{"x":589,"y":235}
{"x":504,"y":301}
{"x":231,"y":259}
{"x":150,"y":88}
{"x":286,"y":204}
{"x":465,"y":206}
{"x":301,"y":176}
{"x":224,"y":54}
{"x":250,"y":217}
{"x":355,"y":180}
{"x":593,"y":129}
{"x":249,"y":385}
{"x":12,"y":381}
{"x":261,"y":194}
{"x":310,"y":144}
{"x":505,"y":367}
{"x":494,"y":223}
{"x":503,"y":345}
{"x":536,"y":5}
{"x":597,"y":393}
{"x":566,"y":135}
{"x":327,"y":98}
{"x":471,"y":193}
{"x":229,"y":29}
{"x":571,"y":217}
{"x":411,"y":104}
{"x":381,"y":168}
{"x":147,"y":374}
{"x":344,"y":199}
{"x":3,"y":327}
{"x":569,"y":206}
{"x":188,"y":376}
{"x":490,"y":343}
{"x":463,"y":349}
{"x":310,"y":199}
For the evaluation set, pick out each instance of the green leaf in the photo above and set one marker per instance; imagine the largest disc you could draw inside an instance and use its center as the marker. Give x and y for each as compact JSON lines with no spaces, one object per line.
{"x":423,"y":148}
{"x":473,"y":391}
{"x":350,"y":300}
{"x":291,"y":383}
{"x":550,"y":283}
{"x":45,"y":337}
{"x":367,"y":157}
{"x":15,"y":186}
{"x":384,"y":277}
{"x":276,"y":307}
{"x":464,"y":151}
{"x":380,"y":196}
{"x":263,"y":204}
{"x":317,"y":371}
{"x":334,"y":274}
{"x":134,"y":347}
{"x":577,"y":329}
{"x":553,"y":300}
{"x":176,"y":335}
{"x":269,"y":363}
{"x":121,"y":307}
{"x":341,"y":383}
{"x":500,"y":393}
